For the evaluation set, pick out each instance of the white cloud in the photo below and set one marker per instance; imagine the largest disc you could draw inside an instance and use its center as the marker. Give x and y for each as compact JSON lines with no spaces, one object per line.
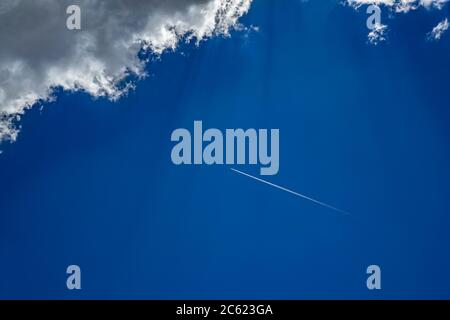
{"x":397,"y":6}
{"x":377,"y":35}
{"x":39,"y":54}
{"x":400,"y":5}
{"x":439,"y":30}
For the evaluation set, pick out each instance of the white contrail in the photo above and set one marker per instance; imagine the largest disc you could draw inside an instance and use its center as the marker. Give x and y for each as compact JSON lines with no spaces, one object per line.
{"x":290,"y":191}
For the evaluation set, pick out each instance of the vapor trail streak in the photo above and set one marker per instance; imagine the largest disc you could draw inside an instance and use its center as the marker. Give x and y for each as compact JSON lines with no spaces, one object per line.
{"x":290,"y":191}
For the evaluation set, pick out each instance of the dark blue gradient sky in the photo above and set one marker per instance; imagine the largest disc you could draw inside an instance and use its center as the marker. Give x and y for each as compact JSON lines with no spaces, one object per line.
{"x":363,"y":128}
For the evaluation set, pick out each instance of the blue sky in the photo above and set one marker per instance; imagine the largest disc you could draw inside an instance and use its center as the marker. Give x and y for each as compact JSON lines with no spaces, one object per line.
{"x":362,"y":127}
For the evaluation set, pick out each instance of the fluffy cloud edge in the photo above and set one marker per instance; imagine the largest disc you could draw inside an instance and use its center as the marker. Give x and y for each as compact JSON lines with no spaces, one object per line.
{"x":202,"y":20}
